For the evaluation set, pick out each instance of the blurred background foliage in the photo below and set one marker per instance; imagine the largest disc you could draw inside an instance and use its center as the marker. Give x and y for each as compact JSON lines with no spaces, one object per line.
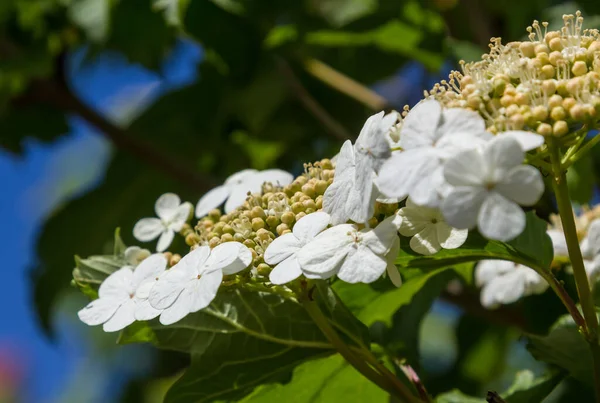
{"x":238,"y":84}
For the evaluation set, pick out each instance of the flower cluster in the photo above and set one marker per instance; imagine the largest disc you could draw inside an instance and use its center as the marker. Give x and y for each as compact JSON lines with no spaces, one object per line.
{"x":546,"y":84}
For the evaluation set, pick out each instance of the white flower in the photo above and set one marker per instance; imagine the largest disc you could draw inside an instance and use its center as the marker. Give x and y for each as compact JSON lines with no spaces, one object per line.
{"x":429,"y":135}
{"x":118,"y":298}
{"x":504,"y":282}
{"x":352,"y":194}
{"x":590,"y":249}
{"x":236,"y":187}
{"x":282,"y":251}
{"x":559,"y":243}
{"x":489,"y":184}
{"x":172,"y":215}
{"x":428,"y":229}
{"x":192,"y":284}
{"x":356,"y":256}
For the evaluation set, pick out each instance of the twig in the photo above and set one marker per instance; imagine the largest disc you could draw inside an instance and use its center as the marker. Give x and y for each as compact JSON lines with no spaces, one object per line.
{"x":310,"y":103}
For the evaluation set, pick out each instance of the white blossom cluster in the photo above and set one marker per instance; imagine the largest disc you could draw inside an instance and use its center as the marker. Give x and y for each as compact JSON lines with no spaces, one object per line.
{"x":453,"y":175}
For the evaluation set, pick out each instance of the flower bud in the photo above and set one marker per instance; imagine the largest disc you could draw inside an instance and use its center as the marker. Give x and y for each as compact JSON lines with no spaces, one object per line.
{"x":548,"y":71}
{"x":544,"y":129}
{"x":257,"y":223}
{"x":238,"y":237}
{"x":579,"y":68}
{"x":263,"y":269}
{"x":555,"y":58}
{"x":214,"y":242}
{"x":541,"y":48}
{"x":558,"y":113}
{"x":263,"y":234}
{"x":226,"y":237}
{"x":192,"y":238}
{"x":560,"y":128}
{"x":272,"y":221}
{"x":554,"y":101}
{"x":228,"y":229}
{"x":257,"y":212}
{"x":281,"y":228}
{"x":568,"y":103}
{"x":540,"y":112}
{"x":528,"y":49}
{"x":555,"y":44}
{"x":300,"y":215}
{"x":319,"y":202}
{"x":297,"y":207}
{"x":288,"y":218}
{"x":174,"y":259}
{"x":577,"y":112}
{"x":309,"y":190}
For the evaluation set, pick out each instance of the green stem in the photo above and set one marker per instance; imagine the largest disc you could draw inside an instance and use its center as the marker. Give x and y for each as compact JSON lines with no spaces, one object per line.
{"x":357,"y":362}
{"x":581,"y":152}
{"x":565,"y":210}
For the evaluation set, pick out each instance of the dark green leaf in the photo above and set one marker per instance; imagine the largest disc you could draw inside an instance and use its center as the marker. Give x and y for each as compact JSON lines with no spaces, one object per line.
{"x":456,"y":396}
{"x":566,"y":348}
{"x":581,"y":180}
{"x":528,"y":388}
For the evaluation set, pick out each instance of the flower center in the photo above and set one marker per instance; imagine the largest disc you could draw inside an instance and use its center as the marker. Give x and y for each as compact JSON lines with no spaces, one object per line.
{"x":198,"y":277}
{"x":434,"y":220}
{"x":490,"y":186}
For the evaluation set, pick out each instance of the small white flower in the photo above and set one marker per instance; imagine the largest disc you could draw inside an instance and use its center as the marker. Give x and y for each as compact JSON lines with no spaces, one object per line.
{"x":356,"y":256}
{"x":504,"y":282}
{"x":352,"y":194}
{"x":282,"y":251}
{"x":192,"y":284}
{"x":118,"y":297}
{"x":590,"y":249}
{"x":429,"y":136}
{"x":428,"y":229}
{"x":172,"y":215}
{"x":489,"y":184}
{"x":236,"y":187}
{"x":559,"y":243}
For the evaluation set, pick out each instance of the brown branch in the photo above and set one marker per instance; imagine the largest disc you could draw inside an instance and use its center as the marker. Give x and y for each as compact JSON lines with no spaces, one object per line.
{"x":58,"y":94}
{"x":311,"y":104}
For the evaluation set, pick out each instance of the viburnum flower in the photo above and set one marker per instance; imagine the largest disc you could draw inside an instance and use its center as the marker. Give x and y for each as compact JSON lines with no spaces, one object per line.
{"x":352,"y":194}
{"x":282,"y":251}
{"x":236,"y":188}
{"x":356,"y":256}
{"x":489,"y":183}
{"x":504,"y":282}
{"x":192,"y":284}
{"x":118,"y":299}
{"x":590,"y":249}
{"x":428,"y":229}
{"x":172,"y":215}
{"x":559,"y":243}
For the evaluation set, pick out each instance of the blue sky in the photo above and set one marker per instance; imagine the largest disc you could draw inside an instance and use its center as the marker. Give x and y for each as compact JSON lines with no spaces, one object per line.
{"x":47,"y":175}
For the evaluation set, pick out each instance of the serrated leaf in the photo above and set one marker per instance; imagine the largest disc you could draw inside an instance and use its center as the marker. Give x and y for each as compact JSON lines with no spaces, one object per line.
{"x":532,"y":248}
{"x":566,"y":348}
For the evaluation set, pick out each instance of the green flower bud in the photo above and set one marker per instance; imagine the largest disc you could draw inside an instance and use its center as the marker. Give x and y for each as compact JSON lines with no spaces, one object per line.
{"x":257,"y":223}
{"x":288,"y":218}
{"x":272,"y":221}
{"x":226,"y":237}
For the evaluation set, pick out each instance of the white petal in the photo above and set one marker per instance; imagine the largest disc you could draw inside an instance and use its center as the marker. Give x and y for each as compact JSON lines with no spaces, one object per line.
{"x":534,"y":283}
{"x":500,"y":219}
{"x":309,"y":226}
{"x":145,"y":311}
{"x":467,"y":168}
{"x":150,"y":268}
{"x":143,"y":290}
{"x":450,"y":145}
{"x":425,"y":242}
{"x":345,"y":160}
{"x":324,"y":253}
{"x":450,"y":238}
{"x":172,"y":282}
{"x":276,"y":177}
{"x":487,"y":270}
{"x":414,"y":218}
{"x":148,"y":229}
{"x":360,"y":205}
{"x":178,"y":310}
{"x":392,"y":270}
{"x":165,"y":240}
{"x":205,"y":290}
{"x":527,"y":140}
{"x":335,"y":198}
{"x":503,"y":290}
{"x":461,"y":121}
{"x":180,"y":216}
{"x":118,"y":285}
{"x":501,"y":154}
{"x":559,"y":243}
{"x":239,"y":194}
{"x":240,"y":176}
{"x":123,"y":317}
{"x":593,"y":237}
{"x":523,"y":184}
{"x":461,"y":206}
{"x":212,"y":199}
{"x":426,"y":191}
{"x":282,"y":247}
{"x":166,"y":204}
{"x":286,"y":271}
{"x":362,"y":266}
{"x":400,"y":174}
{"x":229,"y":257}
{"x":381,"y":238}
{"x":99,"y":311}
{"x":420,"y":125}
{"x":371,"y":141}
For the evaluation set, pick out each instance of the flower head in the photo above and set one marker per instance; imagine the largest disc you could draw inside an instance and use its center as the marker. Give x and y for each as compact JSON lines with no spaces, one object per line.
{"x":236,"y":188}
{"x":281,"y":253}
{"x":192,"y":284}
{"x":172,"y":215}
{"x":489,"y":183}
{"x":122,"y":293}
{"x":356,"y":256}
{"x":504,"y":282}
{"x":428,"y":137}
{"x":428,"y":229}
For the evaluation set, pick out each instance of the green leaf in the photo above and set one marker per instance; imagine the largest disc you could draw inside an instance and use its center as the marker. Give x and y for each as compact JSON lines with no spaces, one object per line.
{"x":566,"y":348}
{"x":456,"y":396}
{"x":533,"y":248}
{"x":329,"y":379}
{"x":528,"y":388}
{"x":581,"y":180}
{"x":95,"y":269}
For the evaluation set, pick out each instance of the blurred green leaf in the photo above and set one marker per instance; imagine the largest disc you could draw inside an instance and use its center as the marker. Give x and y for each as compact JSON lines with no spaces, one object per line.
{"x":581,"y":180}
{"x":528,"y":388}
{"x":456,"y":396}
{"x":566,"y":348}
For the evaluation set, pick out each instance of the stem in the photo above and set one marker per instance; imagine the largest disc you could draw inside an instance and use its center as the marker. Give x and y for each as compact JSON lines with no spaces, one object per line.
{"x":577,"y":155}
{"x":356,"y":361}
{"x":565,"y":211}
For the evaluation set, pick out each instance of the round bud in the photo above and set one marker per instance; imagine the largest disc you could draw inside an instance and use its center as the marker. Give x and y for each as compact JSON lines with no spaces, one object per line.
{"x":320,"y":187}
{"x":281,"y":228}
{"x":558,"y":113}
{"x":257,"y":212}
{"x":300,"y":215}
{"x":554,"y":58}
{"x":309,"y":204}
{"x":517,"y":121}
{"x":238,"y":237}
{"x":541,"y":48}
{"x":301,"y":180}
{"x":288,"y":218}
{"x":257,"y":223}
{"x":272,"y":221}
{"x":218,"y":228}
{"x":528,"y":49}
{"x":191,"y":239}
{"x":297,"y":207}
{"x":326,"y":163}
{"x":555,"y":44}
{"x":215,"y":214}
{"x":507,"y":100}
{"x":309,"y":190}
{"x":249,"y":243}
{"x":548,"y":71}
{"x":226,"y":237}
{"x":551,"y":35}
{"x":577,"y":112}
{"x":540,"y":112}
{"x":174,"y":259}
{"x":549,"y":86}
{"x":579,"y":68}
{"x":214,"y":242}
{"x":474,"y":101}
{"x":168,"y":255}
{"x":512,"y":109}
{"x":554,"y":101}
{"x":544,"y":129}
{"x":568,"y":103}
{"x":521,"y":99}
{"x":319,"y":202}
{"x":228,"y":229}
{"x":560,"y":128}
{"x":262,"y":234}
{"x":263,"y":269}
